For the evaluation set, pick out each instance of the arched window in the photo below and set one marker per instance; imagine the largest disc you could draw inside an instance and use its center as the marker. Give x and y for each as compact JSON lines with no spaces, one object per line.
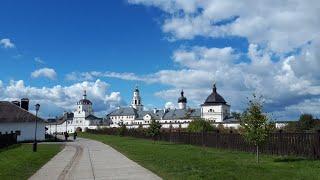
{"x":211,"y":110}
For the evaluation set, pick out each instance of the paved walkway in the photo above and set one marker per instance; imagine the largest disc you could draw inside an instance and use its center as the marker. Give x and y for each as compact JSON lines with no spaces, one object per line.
{"x":89,"y":159}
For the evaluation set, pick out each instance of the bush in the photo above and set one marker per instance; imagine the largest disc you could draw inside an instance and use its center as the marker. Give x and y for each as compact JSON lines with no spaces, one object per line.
{"x":200,"y":125}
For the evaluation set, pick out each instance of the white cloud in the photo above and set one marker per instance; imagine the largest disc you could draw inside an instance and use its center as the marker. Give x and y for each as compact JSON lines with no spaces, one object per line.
{"x":280,"y":82}
{"x":6,"y":43}
{"x":281,"y":63}
{"x":281,"y":26}
{"x":54,"y":100}
{"x":76,"y":76}
{"x":39,"y":60}
{"x":44,"y":72}
{"x":169,"y":105}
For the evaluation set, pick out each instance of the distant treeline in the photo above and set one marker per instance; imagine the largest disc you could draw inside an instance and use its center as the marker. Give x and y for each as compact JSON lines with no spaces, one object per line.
{"x":306,"y":123}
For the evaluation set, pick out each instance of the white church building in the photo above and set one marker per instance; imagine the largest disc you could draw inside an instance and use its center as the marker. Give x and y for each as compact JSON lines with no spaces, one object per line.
{"x":214,"y":110}
{"x":80,"y":119}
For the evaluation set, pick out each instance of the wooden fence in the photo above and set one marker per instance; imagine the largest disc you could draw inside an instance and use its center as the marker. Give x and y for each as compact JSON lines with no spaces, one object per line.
{"x":280,"y":143}
{"x":7,"y":139}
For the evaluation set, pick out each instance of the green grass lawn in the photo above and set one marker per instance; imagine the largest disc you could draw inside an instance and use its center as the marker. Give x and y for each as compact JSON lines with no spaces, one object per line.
{"x":19,"y":162}
{"x":176,"y":161}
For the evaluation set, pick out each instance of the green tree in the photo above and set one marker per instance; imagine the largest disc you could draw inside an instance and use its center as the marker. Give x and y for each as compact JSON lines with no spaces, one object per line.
{"x":255,"y":123}
{"x":236,"y":115}
{"x":199,"y":125}
{"x":291,"y":127}
{"x":154,"y":129}
{"x":306,"y":122}
{"x":122,"y":129}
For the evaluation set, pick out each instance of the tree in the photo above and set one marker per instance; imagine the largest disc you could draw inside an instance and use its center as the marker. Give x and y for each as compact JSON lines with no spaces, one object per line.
{"x":255,"y":123}
{"x":236,"y":115}
{"x":306,"y":122}
{"x":199,"y":125}
{"x":154,"y":129}
{"x":122,"y":129}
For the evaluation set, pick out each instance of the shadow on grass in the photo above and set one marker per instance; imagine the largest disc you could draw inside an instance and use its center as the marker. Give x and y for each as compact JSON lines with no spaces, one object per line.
{"x":289,"y":159}
{"x":10,"y":147}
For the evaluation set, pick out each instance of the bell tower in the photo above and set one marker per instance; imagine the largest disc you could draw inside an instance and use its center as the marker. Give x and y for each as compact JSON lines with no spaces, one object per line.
{"x":136,"y":100}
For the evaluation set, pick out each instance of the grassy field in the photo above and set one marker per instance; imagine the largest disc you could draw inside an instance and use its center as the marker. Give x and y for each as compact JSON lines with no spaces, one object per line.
{"x":173,"y":161}
{"x":19,"y":162}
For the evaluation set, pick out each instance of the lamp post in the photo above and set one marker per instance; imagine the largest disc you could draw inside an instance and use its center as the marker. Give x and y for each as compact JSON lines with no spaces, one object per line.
{"x":55,"y":136}
{"x":35,"y":131}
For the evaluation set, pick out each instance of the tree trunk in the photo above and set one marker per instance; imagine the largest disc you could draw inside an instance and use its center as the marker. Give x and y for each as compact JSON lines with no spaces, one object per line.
{"x":257,"y":147}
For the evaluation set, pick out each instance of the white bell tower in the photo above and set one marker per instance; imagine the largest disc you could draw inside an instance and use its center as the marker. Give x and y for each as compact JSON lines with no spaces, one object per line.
{"x":84,"y":107}
{"x":136,"y":100}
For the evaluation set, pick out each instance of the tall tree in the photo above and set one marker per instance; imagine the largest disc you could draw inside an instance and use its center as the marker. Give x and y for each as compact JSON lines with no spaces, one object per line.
{"x":255,"y":123}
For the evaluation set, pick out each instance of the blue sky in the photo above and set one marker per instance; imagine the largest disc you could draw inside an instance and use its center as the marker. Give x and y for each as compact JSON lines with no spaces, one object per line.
{"x":162,"y":46}
{"x":81,"y":36}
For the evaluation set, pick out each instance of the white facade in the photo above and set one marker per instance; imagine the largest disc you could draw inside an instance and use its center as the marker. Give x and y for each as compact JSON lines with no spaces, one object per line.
{"x":215,"y":110}
{"x":27,"y":130}
{"x":215,"y":113}
{"x":81,"y":119}
{"x":182,"y":105}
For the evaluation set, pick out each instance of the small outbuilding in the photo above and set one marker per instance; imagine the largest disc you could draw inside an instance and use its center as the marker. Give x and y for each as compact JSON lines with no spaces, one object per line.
{"x":16,"y":119}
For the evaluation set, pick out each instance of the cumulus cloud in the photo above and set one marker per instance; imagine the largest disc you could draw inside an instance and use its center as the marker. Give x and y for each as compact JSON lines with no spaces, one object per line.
{"x":281,"y":82}
{"x":6,"y":43}
{"x":281,"y":61}
{"x":280,"y":25}
{"x":54,"y":100}
{"x":44,"y":72}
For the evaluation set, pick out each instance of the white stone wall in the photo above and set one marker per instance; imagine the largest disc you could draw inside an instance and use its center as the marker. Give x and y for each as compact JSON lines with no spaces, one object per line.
{"x":212,"y":113}
{"x":215,"y":113}
{"x":280,"y":125}
{"x":229,"y":125}
{"x":26,"y":129}
{"x":73,"y":125}
{"x":128,"y":120}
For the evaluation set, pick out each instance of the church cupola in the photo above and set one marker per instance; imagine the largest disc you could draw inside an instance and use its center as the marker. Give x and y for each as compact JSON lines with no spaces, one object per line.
{"x":214,"y":97}
{"x":136,"y":100}
{"x":84,"y":100}
{"x":84,"y":107}
{"x":182,"y":101}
